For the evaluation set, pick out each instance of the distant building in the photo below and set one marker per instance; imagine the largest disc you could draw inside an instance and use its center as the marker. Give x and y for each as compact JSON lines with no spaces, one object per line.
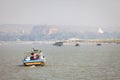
{"x":52,"y":30}
{"x":100,"y":31}
{"x":43,"y":30}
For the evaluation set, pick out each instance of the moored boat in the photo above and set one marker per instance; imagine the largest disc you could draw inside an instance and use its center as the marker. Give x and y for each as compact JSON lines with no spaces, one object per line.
{"x":77,"y":44}
{"x":58,"y":44}
{"x":99,"y":44}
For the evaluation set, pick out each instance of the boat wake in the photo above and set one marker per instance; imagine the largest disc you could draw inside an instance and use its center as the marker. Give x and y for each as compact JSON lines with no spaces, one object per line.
{"x":33,"y":66}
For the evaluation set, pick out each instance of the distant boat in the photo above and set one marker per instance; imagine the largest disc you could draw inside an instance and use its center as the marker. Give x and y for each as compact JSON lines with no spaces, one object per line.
{"x":77,"y":44}
{"x":58,"y":44}
{"x":99,"y":44}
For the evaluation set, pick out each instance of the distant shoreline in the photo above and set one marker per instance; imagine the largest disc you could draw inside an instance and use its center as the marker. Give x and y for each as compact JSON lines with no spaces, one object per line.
{"x":96,"y":41}
{"x":117,"y":41}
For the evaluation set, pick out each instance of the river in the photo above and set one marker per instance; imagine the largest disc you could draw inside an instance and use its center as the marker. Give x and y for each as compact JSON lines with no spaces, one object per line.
{"x":68,"y":62}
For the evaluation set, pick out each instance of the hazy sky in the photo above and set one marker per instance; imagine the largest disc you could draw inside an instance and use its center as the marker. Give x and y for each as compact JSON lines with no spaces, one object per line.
{"x":93,"y":13}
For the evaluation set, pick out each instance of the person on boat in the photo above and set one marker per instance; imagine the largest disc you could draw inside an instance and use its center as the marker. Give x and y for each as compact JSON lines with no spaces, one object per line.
{"x":32,"y":57}
{"x":35,"y":56}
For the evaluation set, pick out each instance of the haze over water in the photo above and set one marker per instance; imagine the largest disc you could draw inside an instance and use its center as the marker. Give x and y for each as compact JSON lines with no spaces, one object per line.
{"x":86,"y":62}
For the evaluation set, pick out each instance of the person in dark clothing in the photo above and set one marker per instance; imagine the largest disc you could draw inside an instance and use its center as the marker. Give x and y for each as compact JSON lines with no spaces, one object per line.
{"x":32,"y":56}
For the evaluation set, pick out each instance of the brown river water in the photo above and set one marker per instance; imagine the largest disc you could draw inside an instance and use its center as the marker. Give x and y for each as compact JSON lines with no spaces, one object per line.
{"x":68,"y":62}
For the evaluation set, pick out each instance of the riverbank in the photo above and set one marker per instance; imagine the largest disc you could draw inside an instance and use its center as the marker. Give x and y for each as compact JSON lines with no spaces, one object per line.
{"x":117,"y":41}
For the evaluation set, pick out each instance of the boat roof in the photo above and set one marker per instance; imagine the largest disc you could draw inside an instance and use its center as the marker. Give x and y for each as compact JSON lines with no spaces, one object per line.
{"x":33,"y":51}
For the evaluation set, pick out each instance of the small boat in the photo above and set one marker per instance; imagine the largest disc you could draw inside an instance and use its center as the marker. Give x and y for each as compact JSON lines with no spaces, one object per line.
{"x":77,"y":44}
{"x":99,"y":44}
{"x":58,"y":44}
{"x":39,"y":61}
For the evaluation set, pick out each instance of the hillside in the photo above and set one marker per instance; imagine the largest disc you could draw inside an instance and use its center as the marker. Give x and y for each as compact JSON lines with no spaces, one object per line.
{"x":28,"y":32}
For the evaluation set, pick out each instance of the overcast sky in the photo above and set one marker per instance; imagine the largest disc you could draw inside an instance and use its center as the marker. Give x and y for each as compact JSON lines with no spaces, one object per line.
{"x":92,"y":13}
